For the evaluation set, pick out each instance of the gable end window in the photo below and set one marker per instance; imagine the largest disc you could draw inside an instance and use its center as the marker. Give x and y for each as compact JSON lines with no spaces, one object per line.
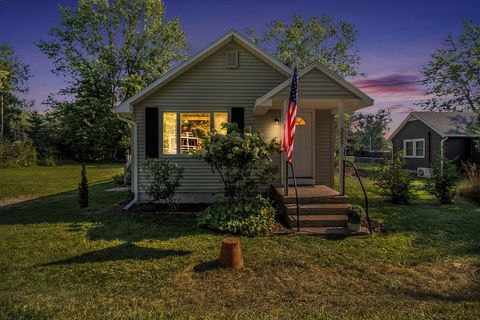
{"x":231,"y":59}
{"x":414,"y":148}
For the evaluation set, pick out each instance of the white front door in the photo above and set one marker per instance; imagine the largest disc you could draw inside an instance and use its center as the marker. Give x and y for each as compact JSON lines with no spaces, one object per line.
{"x":303,"y":146}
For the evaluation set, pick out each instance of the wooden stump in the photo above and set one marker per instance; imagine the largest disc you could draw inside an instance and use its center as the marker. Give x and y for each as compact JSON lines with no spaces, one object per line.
{"x":231,"y":254}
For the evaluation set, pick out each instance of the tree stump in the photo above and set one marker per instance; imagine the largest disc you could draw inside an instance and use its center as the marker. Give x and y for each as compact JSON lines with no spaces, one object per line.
{"x":231,"y":254}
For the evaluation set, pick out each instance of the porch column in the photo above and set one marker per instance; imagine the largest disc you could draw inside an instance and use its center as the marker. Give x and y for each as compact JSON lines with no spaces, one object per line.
{"x":341,"y":146}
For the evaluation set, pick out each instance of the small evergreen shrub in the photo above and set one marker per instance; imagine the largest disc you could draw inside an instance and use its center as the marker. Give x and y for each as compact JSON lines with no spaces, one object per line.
{"x":83,"y":188}
{"x":251,"y":218}
{"x":471,"y":190}
{"x":164,"y":177}
{"x":355,"y":214}
{"x":443,"y":184}
{"x":394,"y":181}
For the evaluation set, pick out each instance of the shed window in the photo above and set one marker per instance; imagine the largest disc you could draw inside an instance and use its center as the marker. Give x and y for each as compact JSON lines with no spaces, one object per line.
{"x":184,"y":129}
{"x":414,"y":148}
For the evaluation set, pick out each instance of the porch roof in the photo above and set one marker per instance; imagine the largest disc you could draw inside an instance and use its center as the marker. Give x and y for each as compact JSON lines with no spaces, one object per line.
{"x":319,"y":88}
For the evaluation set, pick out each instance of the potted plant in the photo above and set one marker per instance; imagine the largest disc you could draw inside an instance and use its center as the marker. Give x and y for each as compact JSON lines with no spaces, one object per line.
{"x":355,"y":215}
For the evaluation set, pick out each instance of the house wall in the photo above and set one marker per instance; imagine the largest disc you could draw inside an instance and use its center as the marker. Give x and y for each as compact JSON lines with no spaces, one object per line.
{"x":210,"y":86}
{"x":416,"y":129}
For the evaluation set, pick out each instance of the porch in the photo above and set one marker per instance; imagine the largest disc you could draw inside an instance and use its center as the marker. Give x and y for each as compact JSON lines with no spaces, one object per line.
{"x":321,"y":210}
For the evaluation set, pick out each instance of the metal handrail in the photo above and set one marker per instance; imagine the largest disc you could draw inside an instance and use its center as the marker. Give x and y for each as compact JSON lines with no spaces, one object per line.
{"x":363,"y":189}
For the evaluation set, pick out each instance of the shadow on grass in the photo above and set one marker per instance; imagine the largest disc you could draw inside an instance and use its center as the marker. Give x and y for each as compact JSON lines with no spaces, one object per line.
{"x":60,"y":208}
{"x":139,"y":228}
{"x":127,"y":251}
{"x":207,"y":266}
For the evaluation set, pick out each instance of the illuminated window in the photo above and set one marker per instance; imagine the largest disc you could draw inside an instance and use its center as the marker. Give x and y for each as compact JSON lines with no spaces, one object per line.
{"x":218,"y":119}
{"x":169,"y":132}
{"x":190,"y":126}
{"x":300,"y":121}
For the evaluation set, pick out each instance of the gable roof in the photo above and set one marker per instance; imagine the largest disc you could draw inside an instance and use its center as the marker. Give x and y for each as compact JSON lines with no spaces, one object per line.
{"x":363,"y":97}
{"x":446,"y":124}
{"x":232,"y":35}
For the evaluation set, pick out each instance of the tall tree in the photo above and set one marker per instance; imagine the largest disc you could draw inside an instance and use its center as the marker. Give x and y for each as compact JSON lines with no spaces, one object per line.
{"x":452,"y":76}
{"x":317,"y":38}
{"x":14,"y":75}
{"x":367,"y":130}
{"x":108,"y":51}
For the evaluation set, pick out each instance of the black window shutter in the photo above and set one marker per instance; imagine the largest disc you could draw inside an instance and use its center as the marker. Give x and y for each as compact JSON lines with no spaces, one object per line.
{"x":151,"y":132}
{"x":238,"y":117}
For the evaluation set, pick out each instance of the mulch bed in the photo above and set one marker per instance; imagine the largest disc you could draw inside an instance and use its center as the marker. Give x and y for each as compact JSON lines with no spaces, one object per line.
{"x":376,"y":226}
{"x":161,"y":208}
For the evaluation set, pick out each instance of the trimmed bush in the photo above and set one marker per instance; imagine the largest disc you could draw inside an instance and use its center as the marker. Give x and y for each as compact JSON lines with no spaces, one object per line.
{"x":83,"y":188}
{"x":443,"y":184}
{"x":251,"y":218}
{"x":394,"y":181}
{"x":355,"y":214}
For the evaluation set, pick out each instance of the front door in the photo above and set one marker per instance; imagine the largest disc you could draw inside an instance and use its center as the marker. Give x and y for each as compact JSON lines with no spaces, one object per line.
{"x":303,"y":146}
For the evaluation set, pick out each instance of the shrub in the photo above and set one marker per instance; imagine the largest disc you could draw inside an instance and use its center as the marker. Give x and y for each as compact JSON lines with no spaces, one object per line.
{"x":250,"y":218}
{"x":83,"y":188}
{"x":471,"y":190}
{"x":394,"y":181}
{"x":242,"y":160}
{"x":164,"y":179}
{"x":19,"y":153}
{"x":355,"y":214}
{"x":443,"y":184}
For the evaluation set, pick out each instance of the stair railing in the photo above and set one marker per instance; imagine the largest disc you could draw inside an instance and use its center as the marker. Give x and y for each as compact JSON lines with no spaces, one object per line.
{"x":363,"y":189}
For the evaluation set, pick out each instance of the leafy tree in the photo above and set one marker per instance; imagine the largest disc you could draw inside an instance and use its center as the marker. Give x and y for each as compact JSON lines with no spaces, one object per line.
{"x":452,"y":77}
{"x":14,"y":75}
{"x":367,"y":130}
{"x":108,"y":50}
{"x":317,"y":38}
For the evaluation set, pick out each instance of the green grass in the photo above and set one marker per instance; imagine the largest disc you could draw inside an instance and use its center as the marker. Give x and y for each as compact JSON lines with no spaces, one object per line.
{"x":58,"y":262}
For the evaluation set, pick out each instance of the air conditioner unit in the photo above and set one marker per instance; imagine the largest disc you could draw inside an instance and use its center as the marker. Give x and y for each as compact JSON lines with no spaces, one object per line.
{"x":424,"y":172}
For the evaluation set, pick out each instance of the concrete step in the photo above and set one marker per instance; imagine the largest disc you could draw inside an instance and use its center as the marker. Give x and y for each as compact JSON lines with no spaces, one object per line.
{"x":317,"y":208}
{"x":332,"y":231}
{"x":338,"y":220}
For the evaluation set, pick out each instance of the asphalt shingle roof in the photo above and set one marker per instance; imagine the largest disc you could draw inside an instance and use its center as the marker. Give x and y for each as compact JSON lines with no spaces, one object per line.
{"x":447,"y":123}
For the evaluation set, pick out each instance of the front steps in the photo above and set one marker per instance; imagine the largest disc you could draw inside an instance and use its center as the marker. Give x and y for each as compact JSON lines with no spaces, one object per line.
{"x":321,"y":210}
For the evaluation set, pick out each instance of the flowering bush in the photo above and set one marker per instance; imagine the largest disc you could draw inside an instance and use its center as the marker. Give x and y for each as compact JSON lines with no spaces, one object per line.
{"x":250,"y":218}
{"x":243,"y":160}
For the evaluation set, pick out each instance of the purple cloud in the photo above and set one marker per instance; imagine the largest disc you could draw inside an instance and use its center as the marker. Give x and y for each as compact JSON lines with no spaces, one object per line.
{"x":396,"y":83}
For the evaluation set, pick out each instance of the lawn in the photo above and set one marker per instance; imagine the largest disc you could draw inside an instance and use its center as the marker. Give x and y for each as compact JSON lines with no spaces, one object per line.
{"x":58,"y":262}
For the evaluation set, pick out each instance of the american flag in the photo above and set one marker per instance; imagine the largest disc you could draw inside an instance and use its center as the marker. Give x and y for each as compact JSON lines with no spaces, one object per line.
{"x":290,"y":119}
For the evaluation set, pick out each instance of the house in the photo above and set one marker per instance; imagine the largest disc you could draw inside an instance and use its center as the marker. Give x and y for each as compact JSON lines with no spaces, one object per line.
{"x":423,"y":136}
{"x":234,"y":80}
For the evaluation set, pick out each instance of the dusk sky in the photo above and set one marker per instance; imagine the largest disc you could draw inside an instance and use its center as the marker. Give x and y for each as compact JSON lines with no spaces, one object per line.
{"x":395,"y":37}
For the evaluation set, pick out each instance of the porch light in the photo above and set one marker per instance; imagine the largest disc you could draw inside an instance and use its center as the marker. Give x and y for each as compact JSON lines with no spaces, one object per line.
{"x":276,"y":121}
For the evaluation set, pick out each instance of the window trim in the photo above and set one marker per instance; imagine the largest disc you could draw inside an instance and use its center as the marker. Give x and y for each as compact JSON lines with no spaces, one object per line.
{"x":414,"y":141}
{"x":179,"y":153}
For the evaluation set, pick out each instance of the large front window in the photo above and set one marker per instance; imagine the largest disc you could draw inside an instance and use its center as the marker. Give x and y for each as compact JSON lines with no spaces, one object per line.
{"x":414,"y":148}
{"x":186,"y":133}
